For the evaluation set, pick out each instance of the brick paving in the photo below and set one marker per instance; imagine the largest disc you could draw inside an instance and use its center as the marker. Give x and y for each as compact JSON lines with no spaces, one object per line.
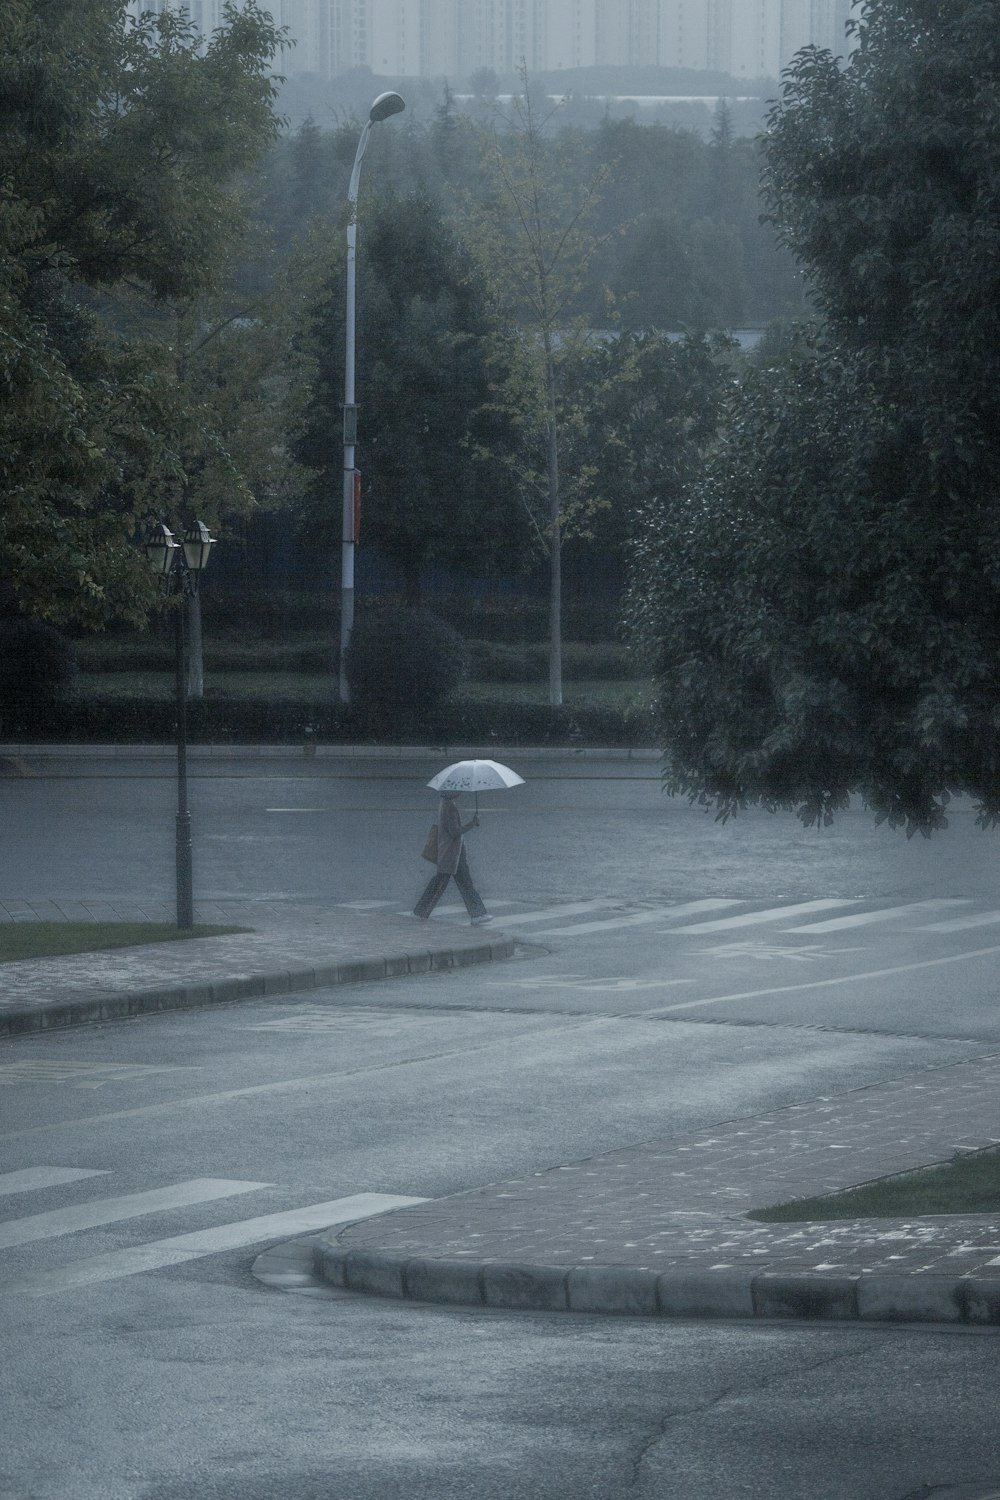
{"x":681,"y":1203}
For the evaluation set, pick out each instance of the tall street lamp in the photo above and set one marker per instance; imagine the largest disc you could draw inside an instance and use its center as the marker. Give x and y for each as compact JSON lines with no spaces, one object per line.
{"x":384,"y":106}
{"x":178,"y":565}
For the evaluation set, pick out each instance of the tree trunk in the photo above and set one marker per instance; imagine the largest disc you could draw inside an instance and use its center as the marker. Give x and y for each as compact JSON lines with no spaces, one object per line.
{"x":555,"y":542}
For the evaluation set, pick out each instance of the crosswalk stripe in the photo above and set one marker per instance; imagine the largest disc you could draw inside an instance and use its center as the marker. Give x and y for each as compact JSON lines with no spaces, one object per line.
{"x":183,"y":1247}
{"x":638,"y":919}
{"x":884,"y":914}
{"x":758,"y":918}
{"x":550,"y":913}
{"x":32,"y":1178}
{"x":959,"y":924}
{"x":112,"y":1210}
{"x":457,"y":909}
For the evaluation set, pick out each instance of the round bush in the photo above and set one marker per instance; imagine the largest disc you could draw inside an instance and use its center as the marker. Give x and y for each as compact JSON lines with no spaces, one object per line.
{"x":36,"y":662}
{"x":402,"y":662}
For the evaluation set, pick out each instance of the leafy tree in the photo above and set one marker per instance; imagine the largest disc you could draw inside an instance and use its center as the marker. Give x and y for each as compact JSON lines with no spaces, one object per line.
{"x":534,"y":235}
{"x":431,"y":357}
{"x":645,"y":412}
{"x":119,"y":146}
{"x":823,"y":609}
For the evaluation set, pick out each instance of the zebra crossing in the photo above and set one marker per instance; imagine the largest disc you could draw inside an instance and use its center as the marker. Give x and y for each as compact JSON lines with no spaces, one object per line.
{"x":710,"y":916}
{"x":61,"y":1223}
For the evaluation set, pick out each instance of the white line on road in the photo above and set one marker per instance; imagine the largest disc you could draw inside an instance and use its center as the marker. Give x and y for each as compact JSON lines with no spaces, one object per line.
{"x":638,"y":919}
{"x":456,"y":909}
{"x":112,"y":1210}
{"x":884,"y":914}
{"x":546,"y":914}
{"x":820,"y":984}
{"x":183,"y":1247}
{"x":757,"y":918}
{"x":32,"y":1178}
{"x":959,"y":924}
{"x":336,"y":1078}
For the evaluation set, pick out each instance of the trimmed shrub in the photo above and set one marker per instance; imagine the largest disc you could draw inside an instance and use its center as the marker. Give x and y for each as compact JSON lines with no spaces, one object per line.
{"x":36,"y":663}
{"x":400,"y":664}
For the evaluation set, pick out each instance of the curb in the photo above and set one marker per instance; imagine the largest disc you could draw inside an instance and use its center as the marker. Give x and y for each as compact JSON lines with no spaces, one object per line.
{"x":628,"y":1291}
{"x":320,"y":752}
{"x":127,"y":1004}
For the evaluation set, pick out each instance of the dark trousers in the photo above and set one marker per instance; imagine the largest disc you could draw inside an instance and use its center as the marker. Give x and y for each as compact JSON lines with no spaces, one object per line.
{"x":435,"y":890}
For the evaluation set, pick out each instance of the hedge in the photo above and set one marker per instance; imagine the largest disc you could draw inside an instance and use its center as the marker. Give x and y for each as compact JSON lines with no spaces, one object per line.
{"x":510,"y":619}
{"x":141,"y":720}
{"x":489,"y":661}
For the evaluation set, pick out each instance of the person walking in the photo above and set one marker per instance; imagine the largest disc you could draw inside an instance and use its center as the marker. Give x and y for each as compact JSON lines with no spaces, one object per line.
{"x":452,"y":863}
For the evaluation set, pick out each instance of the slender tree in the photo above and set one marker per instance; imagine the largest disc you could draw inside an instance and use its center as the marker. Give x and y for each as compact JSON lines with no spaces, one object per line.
{"x":533,"y":229}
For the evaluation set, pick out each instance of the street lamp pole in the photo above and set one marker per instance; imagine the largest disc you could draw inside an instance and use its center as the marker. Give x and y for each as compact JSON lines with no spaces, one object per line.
{"x":179,"y":566}
{"x":384,"y":106}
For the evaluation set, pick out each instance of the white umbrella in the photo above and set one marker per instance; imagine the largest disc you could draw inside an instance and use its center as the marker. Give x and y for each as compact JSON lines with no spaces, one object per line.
{"x":475,"y":776}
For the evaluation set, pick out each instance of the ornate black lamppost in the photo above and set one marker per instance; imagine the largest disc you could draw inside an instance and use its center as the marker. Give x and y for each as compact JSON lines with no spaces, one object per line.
{"x":178,"y":565}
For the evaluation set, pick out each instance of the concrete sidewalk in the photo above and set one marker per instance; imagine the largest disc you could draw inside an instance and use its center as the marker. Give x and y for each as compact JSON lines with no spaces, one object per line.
{"x":660,"y":1229}
{"x":292,"y":947}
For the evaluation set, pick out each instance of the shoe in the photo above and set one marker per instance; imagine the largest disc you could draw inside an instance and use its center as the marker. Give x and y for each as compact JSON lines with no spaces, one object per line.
{"x":481,"y":921}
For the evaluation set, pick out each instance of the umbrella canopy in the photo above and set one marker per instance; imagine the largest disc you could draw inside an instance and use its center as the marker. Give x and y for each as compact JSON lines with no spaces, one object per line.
{"x":475,"y":776}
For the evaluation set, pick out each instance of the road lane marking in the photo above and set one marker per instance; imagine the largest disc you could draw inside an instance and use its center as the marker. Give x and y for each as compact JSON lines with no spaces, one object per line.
{"x":184,"y":1247}
{"x":85,"y":1075}
{"x":339,"y":1077}
{"x":102,"y":1211}
{"x":820,"y":984}
{"x":31,"y":1179}
{"x":637,"y":919}
{"x":361,"y":905}
{"x":581,"y":982}
{"x":772,"y":914}
{"x":764,"y":952}
{"x":884,"y":914}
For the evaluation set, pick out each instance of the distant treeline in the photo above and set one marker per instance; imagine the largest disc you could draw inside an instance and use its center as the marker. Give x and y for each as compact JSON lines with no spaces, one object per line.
{"x":592,"y":95}
{"x":685,"y":248}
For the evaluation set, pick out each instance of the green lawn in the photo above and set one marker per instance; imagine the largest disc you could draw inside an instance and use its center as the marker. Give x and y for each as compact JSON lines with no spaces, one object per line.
{"x":968,"y":1184}
{"x":51,"y":939}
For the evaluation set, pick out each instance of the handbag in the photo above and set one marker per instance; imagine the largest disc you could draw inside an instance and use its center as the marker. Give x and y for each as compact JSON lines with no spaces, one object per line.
{"x":430,"y":849}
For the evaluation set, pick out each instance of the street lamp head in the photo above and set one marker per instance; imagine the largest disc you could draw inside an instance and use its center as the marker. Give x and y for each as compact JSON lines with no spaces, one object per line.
{"x":161,"y":549}
{"x":198,"y":543}
{"x":386,"y":105}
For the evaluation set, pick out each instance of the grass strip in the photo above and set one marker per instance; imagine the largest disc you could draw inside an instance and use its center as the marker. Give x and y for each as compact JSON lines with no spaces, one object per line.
{"x":51,"y":939}
{"x":968,"y":1184}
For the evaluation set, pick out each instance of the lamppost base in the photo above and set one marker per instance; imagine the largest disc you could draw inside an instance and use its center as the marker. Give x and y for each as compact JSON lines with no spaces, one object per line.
{"x":185,"y":886}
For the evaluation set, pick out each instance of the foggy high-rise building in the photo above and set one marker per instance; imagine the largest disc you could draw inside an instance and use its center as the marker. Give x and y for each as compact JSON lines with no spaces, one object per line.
{"x":455,"y":38}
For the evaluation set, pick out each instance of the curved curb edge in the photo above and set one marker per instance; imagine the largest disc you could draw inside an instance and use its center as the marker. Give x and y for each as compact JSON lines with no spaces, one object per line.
{"x":261,"y":986}
{"x":635,"y":1292}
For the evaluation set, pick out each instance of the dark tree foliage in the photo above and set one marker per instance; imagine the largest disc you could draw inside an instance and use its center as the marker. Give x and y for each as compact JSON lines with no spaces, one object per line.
{"x":646,"y":411}
{"x":823,"y":607}
{"x":431,"y":431}
{"x":119,"y":145}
